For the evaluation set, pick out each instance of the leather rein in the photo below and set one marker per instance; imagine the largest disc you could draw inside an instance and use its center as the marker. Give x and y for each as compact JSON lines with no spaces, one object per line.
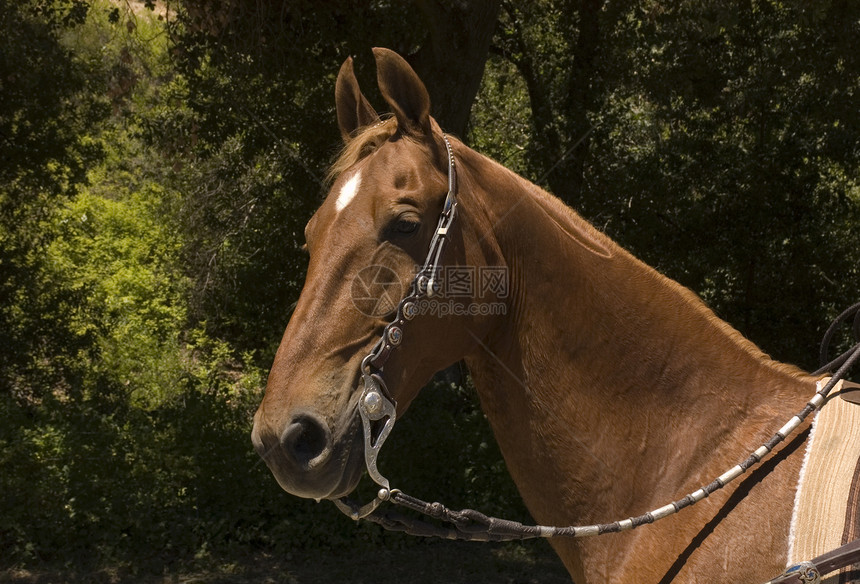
{"x":377,"y":410}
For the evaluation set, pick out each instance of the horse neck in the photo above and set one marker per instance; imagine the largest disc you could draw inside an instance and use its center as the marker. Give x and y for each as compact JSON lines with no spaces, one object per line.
{"x":603,"y":367}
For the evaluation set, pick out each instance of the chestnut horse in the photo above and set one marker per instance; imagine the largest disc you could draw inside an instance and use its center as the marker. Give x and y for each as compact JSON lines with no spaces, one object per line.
{"x":610,"y":388}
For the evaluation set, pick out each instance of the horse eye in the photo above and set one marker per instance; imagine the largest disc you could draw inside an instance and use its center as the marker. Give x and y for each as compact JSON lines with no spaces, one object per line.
{"x":405,"y":225}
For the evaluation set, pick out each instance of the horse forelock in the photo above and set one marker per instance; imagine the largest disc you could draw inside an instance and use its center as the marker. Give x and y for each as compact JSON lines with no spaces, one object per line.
{"x":363,"y":144}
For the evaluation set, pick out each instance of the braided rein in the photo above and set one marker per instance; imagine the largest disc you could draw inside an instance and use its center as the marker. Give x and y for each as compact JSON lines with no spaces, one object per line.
{"x":472,"y":525}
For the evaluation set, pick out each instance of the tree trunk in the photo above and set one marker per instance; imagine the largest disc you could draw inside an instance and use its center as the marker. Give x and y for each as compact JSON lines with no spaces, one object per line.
{"x":560,"y":117}
{"x":451,"y":59}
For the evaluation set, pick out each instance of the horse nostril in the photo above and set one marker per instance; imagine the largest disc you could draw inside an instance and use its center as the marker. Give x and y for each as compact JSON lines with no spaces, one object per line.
{"x":307,"y":440}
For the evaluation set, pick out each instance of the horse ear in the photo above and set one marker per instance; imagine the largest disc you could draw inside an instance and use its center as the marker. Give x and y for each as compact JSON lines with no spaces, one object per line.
{"x":404,"y":92}
{"x":353,"y":109}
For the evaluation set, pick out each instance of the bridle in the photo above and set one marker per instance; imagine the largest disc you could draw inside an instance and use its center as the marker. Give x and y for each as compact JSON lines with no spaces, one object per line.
{"x":376,"y":407}
{"x":377,"y":410}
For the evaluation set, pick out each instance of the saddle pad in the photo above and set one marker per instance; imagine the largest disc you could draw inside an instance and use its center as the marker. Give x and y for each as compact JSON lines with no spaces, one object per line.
{"x":826,"y":513}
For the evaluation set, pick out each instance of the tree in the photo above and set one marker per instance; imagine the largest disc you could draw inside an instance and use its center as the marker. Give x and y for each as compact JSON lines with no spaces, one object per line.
{"x":725,"y":153}
{"x":43,"y":114}
{"x":554,"y":46}
{"x":662,"y":123}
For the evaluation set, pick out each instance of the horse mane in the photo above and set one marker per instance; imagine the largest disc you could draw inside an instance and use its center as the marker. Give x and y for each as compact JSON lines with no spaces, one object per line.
{"x":364,"y":143}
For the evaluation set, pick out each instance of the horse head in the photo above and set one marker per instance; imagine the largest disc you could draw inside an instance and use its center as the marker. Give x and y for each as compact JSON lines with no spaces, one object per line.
{"x":365,"y":241}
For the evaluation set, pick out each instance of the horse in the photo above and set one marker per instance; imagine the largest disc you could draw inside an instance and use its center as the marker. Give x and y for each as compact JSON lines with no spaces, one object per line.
{"x":609,"y":387}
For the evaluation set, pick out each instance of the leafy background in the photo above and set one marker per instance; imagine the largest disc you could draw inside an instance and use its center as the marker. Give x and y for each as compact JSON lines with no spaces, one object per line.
{"x":160,"y":160}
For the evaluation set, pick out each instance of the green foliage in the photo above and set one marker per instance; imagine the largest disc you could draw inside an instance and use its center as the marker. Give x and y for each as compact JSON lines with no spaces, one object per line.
{"x":44,"y":113}
{"x":116,"y":252}
{"x":104,"y":382}
{"x":500,"y":123}
{"x":738,"y":123}
{"x":256,"y":129}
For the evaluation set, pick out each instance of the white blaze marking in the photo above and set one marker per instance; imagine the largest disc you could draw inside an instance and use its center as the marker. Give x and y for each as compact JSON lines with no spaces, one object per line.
{"x":348,"y":191}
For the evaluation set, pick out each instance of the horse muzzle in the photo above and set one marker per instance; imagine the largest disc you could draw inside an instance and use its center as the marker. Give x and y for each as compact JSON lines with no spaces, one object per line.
{"x":307,"y":456}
